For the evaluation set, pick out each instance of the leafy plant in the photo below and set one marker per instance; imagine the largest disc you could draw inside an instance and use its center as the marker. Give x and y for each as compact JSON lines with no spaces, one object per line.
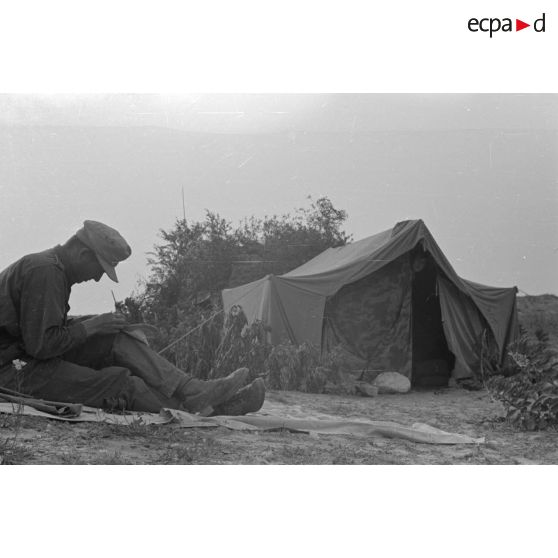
{"x":528,"y":385}
{"x":242,"y":345}
{"x":305,"y":368}
{"x":196,"y":260}
{"x":11,"y":451}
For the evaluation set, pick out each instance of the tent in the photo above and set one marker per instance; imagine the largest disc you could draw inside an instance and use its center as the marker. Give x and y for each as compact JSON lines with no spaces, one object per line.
{"x":393,"y":300}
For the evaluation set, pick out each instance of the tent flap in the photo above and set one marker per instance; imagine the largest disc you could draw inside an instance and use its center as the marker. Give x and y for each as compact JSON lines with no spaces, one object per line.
{"x":462,"y":328}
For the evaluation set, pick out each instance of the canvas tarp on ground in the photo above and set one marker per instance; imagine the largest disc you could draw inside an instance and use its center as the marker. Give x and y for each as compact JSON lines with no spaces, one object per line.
{"x":293,"y":305}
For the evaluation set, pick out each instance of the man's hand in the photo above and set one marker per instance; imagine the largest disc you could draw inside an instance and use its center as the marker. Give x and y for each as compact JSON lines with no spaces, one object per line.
{"x":104,"y":324}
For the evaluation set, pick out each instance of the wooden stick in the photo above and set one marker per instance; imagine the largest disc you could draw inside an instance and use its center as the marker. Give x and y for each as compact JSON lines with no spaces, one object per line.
{"x":114,"y":298}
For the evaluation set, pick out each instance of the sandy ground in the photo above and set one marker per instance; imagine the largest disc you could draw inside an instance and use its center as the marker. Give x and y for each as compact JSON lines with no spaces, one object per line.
{"x":36,"y":440}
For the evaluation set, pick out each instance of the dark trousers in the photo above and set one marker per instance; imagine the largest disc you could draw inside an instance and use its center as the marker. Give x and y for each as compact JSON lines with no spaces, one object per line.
{"x":105,"y":371}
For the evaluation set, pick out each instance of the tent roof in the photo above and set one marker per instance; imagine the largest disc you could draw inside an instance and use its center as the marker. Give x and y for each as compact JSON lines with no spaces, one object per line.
{"x":336,"y":258}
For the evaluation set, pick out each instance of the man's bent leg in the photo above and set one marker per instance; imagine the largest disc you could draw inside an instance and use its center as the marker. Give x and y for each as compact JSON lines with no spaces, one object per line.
{"x":95,"y":352}
{"x":152,"y":368}
{"x":138,"y":396}
{"x":102,"y":351}
{"x":158,"y":373}
{"x":64,"y":381}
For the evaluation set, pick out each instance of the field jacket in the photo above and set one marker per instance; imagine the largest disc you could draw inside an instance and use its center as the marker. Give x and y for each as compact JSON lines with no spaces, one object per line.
{"x":34,"y":294}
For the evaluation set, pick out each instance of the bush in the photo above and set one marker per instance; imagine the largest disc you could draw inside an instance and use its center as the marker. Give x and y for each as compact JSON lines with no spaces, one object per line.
{"x":305,"y":368}
{"x":196,"y":260}
{"x":528,"y":385}
{"x":213,"y":349}
{"x":242,"y":345}
{"x":192,"y":344}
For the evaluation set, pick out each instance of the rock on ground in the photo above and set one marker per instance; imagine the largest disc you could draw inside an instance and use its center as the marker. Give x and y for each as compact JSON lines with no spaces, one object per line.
{"x":392,"y":382}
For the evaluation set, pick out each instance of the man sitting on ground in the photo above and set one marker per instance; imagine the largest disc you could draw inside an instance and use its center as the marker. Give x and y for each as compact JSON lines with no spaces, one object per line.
{"x":95,"y":361}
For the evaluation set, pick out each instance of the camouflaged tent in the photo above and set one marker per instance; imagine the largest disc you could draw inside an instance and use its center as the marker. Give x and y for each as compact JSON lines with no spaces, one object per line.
{"x":391,"y":299}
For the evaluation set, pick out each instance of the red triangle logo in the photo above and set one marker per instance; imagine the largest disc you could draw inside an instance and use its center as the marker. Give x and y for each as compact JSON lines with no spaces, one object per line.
{"x":519,"y":25}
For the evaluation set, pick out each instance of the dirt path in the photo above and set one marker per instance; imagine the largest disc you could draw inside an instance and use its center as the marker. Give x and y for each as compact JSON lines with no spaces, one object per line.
{"x":32,"y":440}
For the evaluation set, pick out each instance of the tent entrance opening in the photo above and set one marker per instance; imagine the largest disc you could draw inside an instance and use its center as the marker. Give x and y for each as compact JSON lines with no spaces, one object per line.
{"x":432,"y":361}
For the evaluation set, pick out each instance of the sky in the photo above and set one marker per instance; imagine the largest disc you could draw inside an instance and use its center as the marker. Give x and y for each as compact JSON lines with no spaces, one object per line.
{"x":481,"y":170}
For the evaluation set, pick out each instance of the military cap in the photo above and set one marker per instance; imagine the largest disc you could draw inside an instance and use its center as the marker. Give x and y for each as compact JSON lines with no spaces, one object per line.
{"x":107,"y":243}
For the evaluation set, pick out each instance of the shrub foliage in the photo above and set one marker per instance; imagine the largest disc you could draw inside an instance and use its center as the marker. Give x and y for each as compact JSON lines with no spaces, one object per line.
{"x":196,"y":260}
{"x":527,"y":383}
